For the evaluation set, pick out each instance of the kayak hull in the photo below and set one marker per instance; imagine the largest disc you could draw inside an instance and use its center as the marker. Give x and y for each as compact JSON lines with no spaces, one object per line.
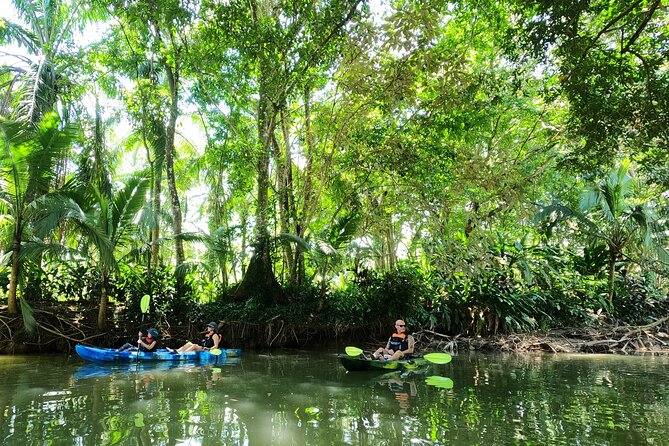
{"x":232,"y":352}
{"x":110,"y":355}
{"x":360,"y":364}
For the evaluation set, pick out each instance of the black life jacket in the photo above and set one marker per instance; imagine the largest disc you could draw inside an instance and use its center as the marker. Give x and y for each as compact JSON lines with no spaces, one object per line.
{"x":398,"y":342}
{"x":208,"y":341}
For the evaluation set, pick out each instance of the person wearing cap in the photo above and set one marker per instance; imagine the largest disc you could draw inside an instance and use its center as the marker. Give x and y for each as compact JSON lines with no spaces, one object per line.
{"x":147,"y":344}
{"x":210,"y":341}
{"x":399,"y":346}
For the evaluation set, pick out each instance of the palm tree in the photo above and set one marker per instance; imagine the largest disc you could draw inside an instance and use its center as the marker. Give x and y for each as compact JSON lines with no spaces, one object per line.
{"x":617,"y":220}
{"x":115,"y":217}
{"x":609,"y":213}
{"x":106,"y":221}
{"x":28,"y":157}
{"x":327,"y":249}
{"x":39,"y":77}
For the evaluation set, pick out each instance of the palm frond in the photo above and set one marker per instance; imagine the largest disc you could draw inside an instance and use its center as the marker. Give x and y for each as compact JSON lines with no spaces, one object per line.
{"x":29,"y":322}
{"x":126,"y":205}
{"x":13,"y":32}
{"x":299,"y":241}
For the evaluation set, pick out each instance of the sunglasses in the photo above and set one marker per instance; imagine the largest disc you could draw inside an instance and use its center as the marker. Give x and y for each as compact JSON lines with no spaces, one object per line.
{"x":400,"y":325}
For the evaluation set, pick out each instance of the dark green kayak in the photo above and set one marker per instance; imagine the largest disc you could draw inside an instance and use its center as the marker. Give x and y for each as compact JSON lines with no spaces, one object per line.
{"x":358,"y":363}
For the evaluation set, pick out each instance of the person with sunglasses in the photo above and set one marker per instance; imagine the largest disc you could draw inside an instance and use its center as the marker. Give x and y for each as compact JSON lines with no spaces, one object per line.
{"x":211,"y":340}
{"x":399,"y":346}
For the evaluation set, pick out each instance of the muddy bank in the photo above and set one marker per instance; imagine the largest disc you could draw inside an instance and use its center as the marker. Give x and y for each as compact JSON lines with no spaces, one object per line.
{"x":60,"y":329}
{"x":651,"y":338}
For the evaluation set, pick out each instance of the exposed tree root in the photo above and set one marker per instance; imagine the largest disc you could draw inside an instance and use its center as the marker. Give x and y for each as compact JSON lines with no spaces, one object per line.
{"x":60,"y":329}
{"x":652,"y":338}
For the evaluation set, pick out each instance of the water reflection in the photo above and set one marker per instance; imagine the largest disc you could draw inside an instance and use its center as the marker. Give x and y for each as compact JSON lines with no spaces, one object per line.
{"x":308,"y":399}
{"x":403,"y":388}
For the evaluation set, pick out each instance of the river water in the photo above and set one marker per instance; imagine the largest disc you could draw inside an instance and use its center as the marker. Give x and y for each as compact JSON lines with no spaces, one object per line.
{"x":307,"y":398}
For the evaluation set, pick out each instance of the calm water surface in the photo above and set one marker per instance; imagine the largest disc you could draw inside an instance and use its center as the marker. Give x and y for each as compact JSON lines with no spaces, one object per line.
{"x":305,"y":398}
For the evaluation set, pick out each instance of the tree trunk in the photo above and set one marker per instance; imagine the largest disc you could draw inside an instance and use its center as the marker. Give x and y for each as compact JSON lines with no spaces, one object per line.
{"x":285,"y":179}
{"x":392,"y":257}
{"x":308,"y":198}
{"x":156,"y":169}
{"x":104,"y":301}
{"x":612,"y":273}
{"x":173,"y":81}
{"x":155,"y":227}
{"x":259,"y":280}
{"x":12,"y":303}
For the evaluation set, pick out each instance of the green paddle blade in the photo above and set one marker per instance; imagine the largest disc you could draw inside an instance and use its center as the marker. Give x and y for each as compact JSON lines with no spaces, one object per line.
{"x":144,"y":304}
{"x":139,"y":419}
{"x":438,"y":358}
{"x":216,"y":370}
{"x":215,"y":351}
{"x":439,"y":381}
{"x":353,"y":351}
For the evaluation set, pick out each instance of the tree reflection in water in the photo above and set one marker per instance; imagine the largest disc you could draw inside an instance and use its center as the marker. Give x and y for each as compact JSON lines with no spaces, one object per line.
{"x":308,"y":399}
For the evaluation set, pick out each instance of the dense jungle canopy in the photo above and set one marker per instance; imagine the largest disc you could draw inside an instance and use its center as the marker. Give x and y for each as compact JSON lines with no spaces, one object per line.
{"x":471,"y":166}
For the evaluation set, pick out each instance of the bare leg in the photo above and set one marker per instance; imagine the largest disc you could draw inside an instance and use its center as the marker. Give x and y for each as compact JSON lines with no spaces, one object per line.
{"x":378,"y":354}
{"x":191,"y":348}
{"x":396,"y":356}
{"x":185,"y":348}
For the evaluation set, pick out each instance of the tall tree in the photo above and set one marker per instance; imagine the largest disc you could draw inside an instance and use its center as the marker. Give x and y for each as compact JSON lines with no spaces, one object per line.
{"x":161,"y":40}
{"x":450,"y":139}
{"x":278,"y":43}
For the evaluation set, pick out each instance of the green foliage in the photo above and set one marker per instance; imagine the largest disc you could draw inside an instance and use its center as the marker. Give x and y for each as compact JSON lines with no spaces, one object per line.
{"x":638,"y":301}
{"x":389,"y":165}
{"x":374,"y":296}
{"x":168,"y":302}
{"x":73,"y":281}
{"x":610,"y":58}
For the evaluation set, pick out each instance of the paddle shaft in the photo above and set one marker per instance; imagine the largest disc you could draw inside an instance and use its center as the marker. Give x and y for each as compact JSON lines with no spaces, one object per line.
{"x":435,"y":358}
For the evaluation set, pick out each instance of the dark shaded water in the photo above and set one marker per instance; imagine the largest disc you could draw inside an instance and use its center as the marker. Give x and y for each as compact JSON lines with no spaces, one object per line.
{"x":301,"y":398}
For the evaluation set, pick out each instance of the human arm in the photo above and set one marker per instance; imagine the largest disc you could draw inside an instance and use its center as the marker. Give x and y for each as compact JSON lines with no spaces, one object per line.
{"x":217,"y":339}
{"x":411,"y":343}
{"x":149,"y":346}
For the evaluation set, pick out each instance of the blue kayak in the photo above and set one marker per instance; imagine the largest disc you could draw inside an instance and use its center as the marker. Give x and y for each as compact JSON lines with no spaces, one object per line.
{"x":95,"y":354}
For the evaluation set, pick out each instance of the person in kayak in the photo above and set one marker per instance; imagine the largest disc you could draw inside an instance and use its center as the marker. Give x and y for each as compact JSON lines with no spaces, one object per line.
{"x":210,"y":341}
{"x":148,"y":343}
{"x":399,"y":346}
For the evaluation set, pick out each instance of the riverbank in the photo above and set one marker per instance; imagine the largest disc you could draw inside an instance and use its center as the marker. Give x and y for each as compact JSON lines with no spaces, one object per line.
{"x":60,"y":331}
{"x":651,"y":338}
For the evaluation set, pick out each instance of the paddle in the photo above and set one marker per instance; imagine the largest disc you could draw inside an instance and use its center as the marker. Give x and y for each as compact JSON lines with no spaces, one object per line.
{"x":353,"y":351}
{"x":438,"y":358}
{"x":144,"y":307}
{"x":216,"y":352}
{"x":435,"y":358}
{"x":439,"y":381}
